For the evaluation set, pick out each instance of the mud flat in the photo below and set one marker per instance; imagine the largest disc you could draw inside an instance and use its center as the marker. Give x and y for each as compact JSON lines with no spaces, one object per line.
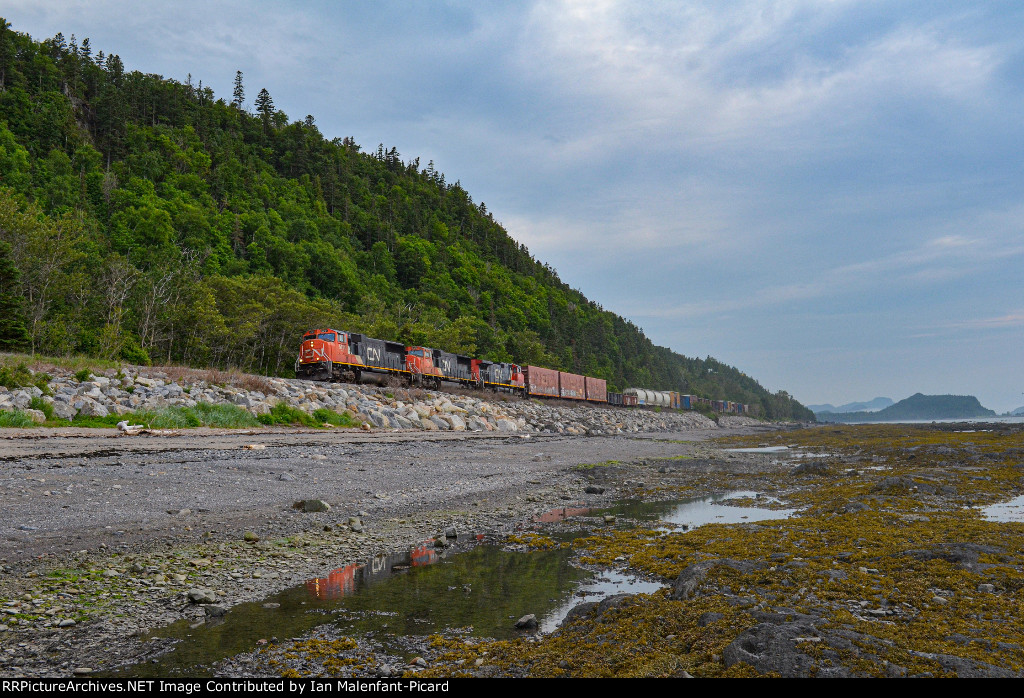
{"x":107,"y":537}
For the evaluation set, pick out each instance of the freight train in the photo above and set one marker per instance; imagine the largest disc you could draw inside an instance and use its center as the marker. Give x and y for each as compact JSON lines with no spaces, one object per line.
{"x":351,"y":357}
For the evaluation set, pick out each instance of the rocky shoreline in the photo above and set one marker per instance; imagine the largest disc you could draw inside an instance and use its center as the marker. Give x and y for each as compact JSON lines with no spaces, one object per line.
{"x":134,"y":389}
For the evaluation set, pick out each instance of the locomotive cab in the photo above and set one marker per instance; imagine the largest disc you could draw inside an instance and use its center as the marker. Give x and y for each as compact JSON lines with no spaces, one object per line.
{"x":419,"y":362}
{"x":516,"y":376}
{"x":324,"y":355}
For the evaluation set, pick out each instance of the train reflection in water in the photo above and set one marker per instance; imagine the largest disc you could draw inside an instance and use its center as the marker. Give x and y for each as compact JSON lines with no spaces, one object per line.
{"x":344,"y":581}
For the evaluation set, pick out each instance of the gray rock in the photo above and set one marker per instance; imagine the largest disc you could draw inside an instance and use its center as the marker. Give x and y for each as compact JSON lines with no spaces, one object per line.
{"x":810,"y":468}
{"x":902,"y":485}
{"x":528,"y":622}
{"x":201,"y":595}
{"x":689,"y":580}
{"x":91,"y":408}
{"x":708,"y":618}
{"x":37,"y":416}
{"x":966,"y":668}
{"x":595,"y":607}
{"x":594,"y":489}
{"x":286,"y":477}
{"x":214,"y":610}
{"x":312,"y":505}
{"x":773,"y":648}
{"x":964,"y":554}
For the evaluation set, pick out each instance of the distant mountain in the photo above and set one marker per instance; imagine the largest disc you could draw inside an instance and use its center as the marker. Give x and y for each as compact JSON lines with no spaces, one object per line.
{"x":916,"y":407}
{"x":869,"y":406}
{"x":1017,"y":412}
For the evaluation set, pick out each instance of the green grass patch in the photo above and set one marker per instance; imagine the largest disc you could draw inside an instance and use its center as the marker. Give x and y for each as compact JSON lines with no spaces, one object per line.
{"x":44,"y":407}
{"x":284,"y":414}
{"x":225,"y":416}
{"x":15,"y":376}
{"x":338,"y":419}
{"x":591,"y":466}
{"x":15,"y":418}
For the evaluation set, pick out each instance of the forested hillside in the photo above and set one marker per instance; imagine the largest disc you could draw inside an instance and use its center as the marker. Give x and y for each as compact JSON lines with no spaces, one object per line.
{"x":151,"y":221}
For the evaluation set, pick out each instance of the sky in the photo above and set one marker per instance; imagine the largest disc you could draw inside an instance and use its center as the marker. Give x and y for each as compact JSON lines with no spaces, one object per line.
{"x":827,"y":195}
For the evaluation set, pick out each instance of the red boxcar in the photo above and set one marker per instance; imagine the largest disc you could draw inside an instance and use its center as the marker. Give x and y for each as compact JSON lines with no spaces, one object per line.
{"x":541,"y":381}
{"x":596,"y":388}
{"x":571,"y":386}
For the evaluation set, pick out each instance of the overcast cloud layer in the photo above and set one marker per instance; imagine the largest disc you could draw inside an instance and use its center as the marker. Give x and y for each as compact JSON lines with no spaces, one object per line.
{"x":828,"y":195}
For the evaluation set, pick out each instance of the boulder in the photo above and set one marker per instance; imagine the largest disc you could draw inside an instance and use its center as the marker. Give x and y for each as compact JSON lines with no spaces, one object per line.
{"x":773,"y":648}
{"x":36,"y":416}
{"x":201,"y":595}
{"x":62,"y":410}
{"x":91,"y":408}
{"x":689,"y":580}
{"x":528,"y":622}
{"x":312,"y":505}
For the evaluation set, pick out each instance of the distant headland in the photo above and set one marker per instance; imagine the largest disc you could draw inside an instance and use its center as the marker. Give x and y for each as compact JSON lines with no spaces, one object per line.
{"x":916,"y":407}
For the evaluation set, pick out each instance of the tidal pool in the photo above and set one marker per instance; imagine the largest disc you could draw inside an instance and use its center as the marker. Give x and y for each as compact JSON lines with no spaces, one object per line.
{"x":424,"y":590}
{"x":699,"y":511}
{"x":759,"y":449}
{"x":1006,"y":512}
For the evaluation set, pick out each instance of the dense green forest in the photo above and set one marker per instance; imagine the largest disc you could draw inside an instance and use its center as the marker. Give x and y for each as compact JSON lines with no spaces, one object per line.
{"x":147,"y":220}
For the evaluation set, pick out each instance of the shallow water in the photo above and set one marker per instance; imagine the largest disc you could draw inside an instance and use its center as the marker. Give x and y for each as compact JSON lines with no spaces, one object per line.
{"x":483,"y":590}
{"x":699,"y":511}
{"x":423,"y":590}
{"x":1006,"y":512}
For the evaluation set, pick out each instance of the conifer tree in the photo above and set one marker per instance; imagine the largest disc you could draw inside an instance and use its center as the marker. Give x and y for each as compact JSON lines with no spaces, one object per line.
{"x":239,"y":94}
{"x":264,"y":104}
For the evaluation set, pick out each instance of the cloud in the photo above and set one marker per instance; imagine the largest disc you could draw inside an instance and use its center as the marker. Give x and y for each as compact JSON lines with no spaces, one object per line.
{"x":840,"y":170}
{"x":1009,"y":320}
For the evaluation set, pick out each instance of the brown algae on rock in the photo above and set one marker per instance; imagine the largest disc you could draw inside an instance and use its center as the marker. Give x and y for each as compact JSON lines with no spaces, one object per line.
{"x":889,"y":570}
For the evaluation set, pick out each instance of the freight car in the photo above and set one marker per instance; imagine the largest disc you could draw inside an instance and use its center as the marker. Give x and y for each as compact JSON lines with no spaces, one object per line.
{"x":336,"y":355}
